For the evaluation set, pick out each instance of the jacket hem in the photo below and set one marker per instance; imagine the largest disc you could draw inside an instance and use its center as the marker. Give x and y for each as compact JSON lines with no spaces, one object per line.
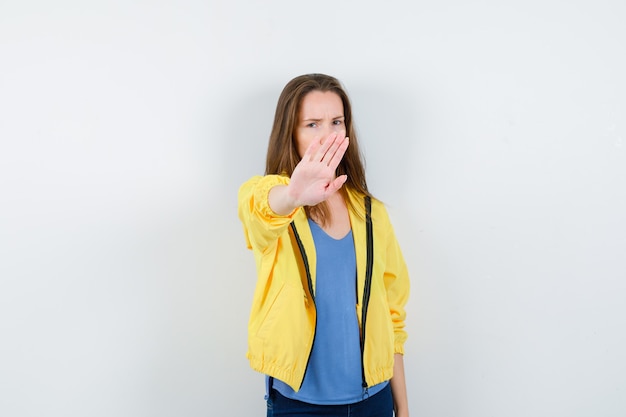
{"x":285,"y":375}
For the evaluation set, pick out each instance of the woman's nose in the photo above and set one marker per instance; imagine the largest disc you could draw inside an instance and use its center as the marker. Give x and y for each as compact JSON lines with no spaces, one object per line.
{"x":326,"y":130}
{"x":332,"y":128}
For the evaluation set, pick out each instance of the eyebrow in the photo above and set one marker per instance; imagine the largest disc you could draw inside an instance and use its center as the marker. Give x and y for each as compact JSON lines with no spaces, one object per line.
{"x":317,"y":120}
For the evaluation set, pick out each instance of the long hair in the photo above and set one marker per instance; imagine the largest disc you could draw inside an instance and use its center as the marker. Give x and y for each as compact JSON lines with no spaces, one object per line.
{"x":282,"y":152}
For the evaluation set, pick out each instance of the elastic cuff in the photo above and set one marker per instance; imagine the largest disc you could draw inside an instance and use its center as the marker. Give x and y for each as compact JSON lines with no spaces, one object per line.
{"x":262,"y":191}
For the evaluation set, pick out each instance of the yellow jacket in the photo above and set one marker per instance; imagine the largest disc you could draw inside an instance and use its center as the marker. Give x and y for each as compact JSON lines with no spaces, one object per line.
{"x":282,"y":319}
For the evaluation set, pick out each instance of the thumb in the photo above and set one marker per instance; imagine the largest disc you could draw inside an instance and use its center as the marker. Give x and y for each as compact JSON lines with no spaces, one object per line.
{"x":338,"y":182}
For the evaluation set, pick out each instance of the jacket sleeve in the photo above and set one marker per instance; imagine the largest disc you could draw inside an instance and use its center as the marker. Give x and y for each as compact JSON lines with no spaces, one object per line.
{"x":397,"y":283}
{"x":261,"y":225}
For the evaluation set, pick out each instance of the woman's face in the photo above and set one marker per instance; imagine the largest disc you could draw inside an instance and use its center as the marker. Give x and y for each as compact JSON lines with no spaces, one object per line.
{"x":321,"y":113}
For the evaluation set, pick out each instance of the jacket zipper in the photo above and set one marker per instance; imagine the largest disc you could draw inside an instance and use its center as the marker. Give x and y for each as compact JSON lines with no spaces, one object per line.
{"x":305,"y":259}
{"x":367,"y":287}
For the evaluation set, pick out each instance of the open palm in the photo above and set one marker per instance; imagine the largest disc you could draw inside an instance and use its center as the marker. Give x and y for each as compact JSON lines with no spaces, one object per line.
{"x":313,"y":180}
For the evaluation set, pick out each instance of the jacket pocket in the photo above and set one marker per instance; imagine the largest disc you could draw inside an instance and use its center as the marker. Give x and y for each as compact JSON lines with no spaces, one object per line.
{"x":266,"y":312}
{"x":280,"y":312}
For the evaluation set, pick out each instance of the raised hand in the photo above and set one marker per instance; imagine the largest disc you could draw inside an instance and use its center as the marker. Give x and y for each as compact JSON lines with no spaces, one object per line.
{"x":313,"y":180}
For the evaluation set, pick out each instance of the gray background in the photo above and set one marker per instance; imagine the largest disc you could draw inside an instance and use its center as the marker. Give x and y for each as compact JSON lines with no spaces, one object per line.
{"x":494,"y":130}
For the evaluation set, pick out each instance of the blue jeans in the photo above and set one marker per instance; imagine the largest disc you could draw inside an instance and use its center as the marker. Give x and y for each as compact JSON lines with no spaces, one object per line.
{"x":378,"y":405}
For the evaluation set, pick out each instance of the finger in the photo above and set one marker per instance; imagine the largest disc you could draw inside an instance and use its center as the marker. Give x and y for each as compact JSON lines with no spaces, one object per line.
{"x":336,"y":145}
{"x":312,"y":149}
{"x":338,"y":154}
{"x":323,"y":150}
{"x":337,"y":183}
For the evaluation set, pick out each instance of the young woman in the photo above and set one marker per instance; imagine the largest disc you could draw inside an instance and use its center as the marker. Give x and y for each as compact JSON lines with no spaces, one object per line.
{"x":327,"y":318}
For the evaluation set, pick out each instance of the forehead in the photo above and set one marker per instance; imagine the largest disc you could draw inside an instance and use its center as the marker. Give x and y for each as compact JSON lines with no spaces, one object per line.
{"x":317,"y":103}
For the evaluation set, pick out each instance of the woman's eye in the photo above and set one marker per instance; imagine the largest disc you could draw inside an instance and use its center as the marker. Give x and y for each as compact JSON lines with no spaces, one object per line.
{"x":337,"y":122}
{"x":312,"y":125}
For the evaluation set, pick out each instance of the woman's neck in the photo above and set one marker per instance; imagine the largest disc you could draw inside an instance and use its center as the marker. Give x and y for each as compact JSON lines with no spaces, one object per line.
{"x":337,"y":225}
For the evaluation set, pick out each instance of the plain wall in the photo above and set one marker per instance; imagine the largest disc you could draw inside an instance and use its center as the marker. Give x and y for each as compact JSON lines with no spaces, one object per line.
{"x":494,"y":131}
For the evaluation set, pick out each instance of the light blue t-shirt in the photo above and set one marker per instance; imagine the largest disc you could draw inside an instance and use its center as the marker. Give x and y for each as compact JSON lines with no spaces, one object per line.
{"x":333,"y":374}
